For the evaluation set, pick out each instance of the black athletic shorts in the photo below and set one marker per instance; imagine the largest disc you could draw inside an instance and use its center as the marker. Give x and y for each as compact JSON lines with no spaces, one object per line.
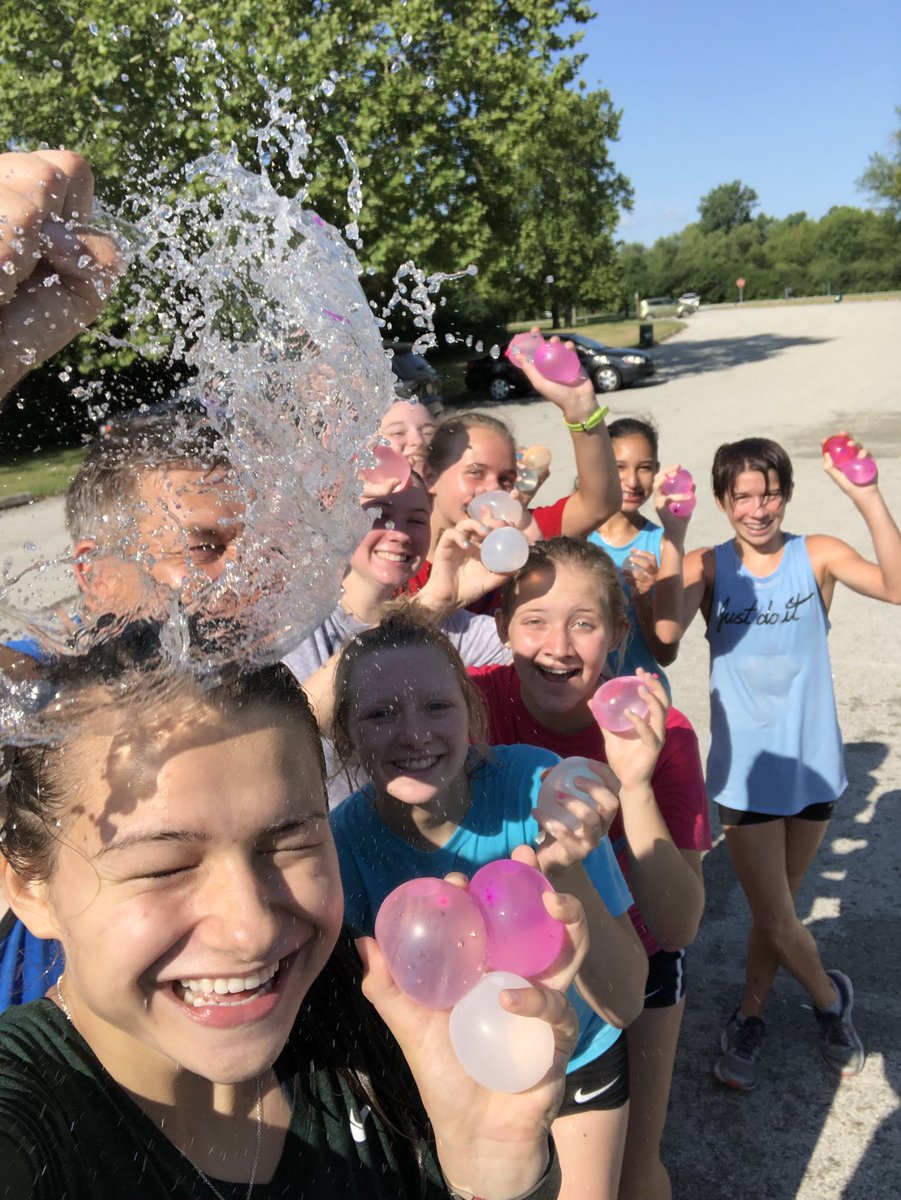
{"x":601,"y":1084}
{"x":666,"y":979}
{"x":813,"y":812}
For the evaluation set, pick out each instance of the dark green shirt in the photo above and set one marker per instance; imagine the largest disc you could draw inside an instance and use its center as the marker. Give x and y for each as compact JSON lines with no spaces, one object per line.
{"x":68,"y":1131}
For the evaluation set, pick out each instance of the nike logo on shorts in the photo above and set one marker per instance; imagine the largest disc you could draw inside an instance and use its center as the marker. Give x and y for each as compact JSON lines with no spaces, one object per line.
{"x":583,"y":1097}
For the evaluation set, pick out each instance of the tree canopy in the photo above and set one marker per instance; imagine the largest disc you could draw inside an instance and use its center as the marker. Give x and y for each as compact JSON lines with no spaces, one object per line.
{"x":882,"y":178}
{"x":726,"y":207}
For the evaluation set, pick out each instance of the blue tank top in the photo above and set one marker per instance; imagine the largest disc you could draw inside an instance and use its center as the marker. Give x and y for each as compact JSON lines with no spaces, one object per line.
{"x":637,"y":652}
{"x":775,"y":743}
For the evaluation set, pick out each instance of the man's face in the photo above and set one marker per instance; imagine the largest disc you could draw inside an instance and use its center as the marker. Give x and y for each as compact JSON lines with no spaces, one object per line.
{"x":180,"y":532}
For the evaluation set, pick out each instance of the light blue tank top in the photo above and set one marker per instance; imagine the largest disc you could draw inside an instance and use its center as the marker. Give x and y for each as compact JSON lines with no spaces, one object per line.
{"x":775,"y":744}
{"x":637,"y":652}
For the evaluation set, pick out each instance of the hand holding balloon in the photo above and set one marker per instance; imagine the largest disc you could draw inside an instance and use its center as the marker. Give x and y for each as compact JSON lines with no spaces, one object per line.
{"x":843,"y":453}
{"x":614,"y":699}
{"x":632,"y":755}
{"x":680,"y":484}
{"x":504,"y":550}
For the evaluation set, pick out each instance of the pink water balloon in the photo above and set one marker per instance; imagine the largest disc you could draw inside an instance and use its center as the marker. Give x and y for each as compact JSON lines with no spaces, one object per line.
{"x":680,"y":482}
{"x":560,"y":782}
{"x":500,"y":1050}
{"x":500,"y":505}
{"x":434,"y":940}
{"x":860,"y":471}
{"x":839,"y":449}
{"x":609,"y":703}
{"x":388,"y":465}
{"x":522,"y":936}
{"x":523,"y":345}
{"x":505,"y":550}
{"x":558,"y":363}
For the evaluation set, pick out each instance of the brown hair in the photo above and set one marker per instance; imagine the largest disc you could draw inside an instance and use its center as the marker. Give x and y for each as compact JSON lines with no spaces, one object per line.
{"x":452,"y":435}
{"x":583,"y":556}
{"x":133,"y":704}
{"x":750,"y":454}
{"x":402,"y":625}
{"x":103,"y":492}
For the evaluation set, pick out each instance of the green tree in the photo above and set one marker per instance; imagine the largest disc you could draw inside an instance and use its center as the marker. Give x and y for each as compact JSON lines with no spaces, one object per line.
{"x":727,"y":206}
{"x":882,"y":178}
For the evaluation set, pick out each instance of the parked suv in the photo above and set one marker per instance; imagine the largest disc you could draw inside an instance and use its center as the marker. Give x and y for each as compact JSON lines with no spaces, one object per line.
{"x":666,"y":306}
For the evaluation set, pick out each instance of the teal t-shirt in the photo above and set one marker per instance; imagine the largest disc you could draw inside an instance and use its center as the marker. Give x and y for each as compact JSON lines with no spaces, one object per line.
{"x":374,"y":861}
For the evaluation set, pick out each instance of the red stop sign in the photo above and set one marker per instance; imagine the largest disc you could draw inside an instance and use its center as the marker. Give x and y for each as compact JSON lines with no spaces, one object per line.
{"x":740,"y":283}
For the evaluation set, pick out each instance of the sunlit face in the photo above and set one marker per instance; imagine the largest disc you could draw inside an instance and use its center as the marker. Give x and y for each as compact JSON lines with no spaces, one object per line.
{"x":180,"y":533}
{"x":560,"y":636}
{"x":487,"y":464}
{"x":196,"y":894}
{"x":409,"y":722}
{"x":637,"y":467}
{"x":408,"y":428}
{"x":756,"y":506}
{"x":398,"y":543}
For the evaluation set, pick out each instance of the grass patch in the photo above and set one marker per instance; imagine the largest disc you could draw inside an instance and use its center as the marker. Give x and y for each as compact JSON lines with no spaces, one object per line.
{"x":44,"y":473}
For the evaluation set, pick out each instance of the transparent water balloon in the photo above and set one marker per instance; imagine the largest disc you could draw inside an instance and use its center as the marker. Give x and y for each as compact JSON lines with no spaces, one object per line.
{"x":500,"y":1050}
{"x":558,"y":363}
{"x":388,"y":465}
{"x":500,"y":505}
{"x":434,"y":940}
{"x":560,"y":782}
{"x":522,"y":936}
{"x":505,"y":550}
{"x":526,"y":479}
{"x":678,"y":483}
{"x":609,"y":703}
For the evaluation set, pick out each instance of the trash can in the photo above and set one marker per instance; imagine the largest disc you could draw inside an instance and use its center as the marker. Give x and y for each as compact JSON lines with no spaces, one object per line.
{"x":645,"y":336}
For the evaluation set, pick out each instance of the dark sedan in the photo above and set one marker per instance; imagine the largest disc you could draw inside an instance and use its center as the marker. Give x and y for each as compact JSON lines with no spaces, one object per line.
{"x":608,"y":368}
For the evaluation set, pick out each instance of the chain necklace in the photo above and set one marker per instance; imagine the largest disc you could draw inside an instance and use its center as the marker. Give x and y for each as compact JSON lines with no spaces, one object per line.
{"x":258,"y":1110}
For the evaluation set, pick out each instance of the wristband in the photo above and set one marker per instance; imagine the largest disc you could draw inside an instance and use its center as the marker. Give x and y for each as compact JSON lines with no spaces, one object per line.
{"x":546,"y":1188}
{"x":593,"y":421}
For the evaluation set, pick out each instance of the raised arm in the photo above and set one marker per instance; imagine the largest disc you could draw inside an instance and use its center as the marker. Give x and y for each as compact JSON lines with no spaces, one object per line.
{"x":599,"y":494}
{"x":57,"y":272}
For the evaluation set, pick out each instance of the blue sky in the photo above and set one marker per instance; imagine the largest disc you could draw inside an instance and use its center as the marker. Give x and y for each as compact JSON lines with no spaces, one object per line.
{"x":791,"y":97}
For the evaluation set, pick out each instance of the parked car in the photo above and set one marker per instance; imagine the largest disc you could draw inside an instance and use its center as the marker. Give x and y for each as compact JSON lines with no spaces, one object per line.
{"x":608,"y":367}
{"x":666,"y":306}
{"x":416,"y":377}
{"x":691,"y":298}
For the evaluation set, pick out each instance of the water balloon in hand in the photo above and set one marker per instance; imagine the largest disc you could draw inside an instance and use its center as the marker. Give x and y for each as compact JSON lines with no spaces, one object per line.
{"x":388,"y":465}
{"x":680,"y":483}
{"x":614,"y":698}
{"x":860,"y":470}
{"x":560,"y":782}
{"x":558,"y":363}
{"x":503,"y":550}
{"x":522,"y":935}
{"x":500,"y":1050}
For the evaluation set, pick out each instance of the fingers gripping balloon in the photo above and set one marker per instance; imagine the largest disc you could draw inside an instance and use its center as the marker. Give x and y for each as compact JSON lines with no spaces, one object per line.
{"x":446,"y":947}
{"x":609,"y":703}
{"x":503,"y":550}
{"x":677,"y":484}
{"x":560,"y":782}
{"x":860,"y":471}
{"x":555,"y":361}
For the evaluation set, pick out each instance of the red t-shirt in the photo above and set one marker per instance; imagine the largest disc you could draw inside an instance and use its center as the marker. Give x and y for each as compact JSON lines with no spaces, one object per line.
{"x":549,"y":519}
{"x":677,"y":782}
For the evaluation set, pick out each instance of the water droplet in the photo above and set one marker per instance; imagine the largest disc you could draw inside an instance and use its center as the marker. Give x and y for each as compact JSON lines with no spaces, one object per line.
{"x":406,"y":40}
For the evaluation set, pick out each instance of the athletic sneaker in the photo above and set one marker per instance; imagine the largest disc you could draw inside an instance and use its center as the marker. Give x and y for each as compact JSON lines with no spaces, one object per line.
{"x":840,"y":1045}
{"x":741,"y":1042}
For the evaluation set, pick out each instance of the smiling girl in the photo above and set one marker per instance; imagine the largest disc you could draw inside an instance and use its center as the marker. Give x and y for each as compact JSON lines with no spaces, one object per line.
{"x":775,"y":765}
{"x":208,"y":1036}
{"x":562,"y":614}
{"x":406,"y":713}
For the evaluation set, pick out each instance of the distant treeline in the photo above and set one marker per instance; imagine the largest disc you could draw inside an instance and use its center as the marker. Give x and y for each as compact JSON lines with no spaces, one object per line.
{"x":847,"y":250}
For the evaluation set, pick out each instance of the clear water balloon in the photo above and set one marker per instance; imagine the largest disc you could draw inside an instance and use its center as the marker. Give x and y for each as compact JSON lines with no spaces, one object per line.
{"x":680,"y":483}
{"x":560,"y":782}
{"x":500,"y":1050}
{"x":434,"y":940}
{"x":522,"y":936}
{"x":609,"y":703}
{"x":558,"y":363}
{"x":500,"y":505}
{"x":505,"y":550}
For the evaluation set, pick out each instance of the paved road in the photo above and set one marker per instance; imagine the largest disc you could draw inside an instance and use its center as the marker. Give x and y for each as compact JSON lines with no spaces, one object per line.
{"x":795,"y":372}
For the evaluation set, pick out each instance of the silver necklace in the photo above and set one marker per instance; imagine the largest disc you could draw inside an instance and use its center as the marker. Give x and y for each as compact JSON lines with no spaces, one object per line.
{"x":258,"y":1110}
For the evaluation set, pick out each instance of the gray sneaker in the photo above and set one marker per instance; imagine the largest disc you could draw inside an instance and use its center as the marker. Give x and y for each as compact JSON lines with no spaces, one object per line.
{"x":840,"y":1045}
{"x":741,"y":1042}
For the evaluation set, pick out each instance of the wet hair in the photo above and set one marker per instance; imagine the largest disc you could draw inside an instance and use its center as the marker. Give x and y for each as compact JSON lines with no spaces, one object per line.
{"x":452,"y":434}
{"x":402,"y":626}
{"x":108,"y":482}
{"x":581,"y":556}
{"x":750,"y":454}
{"x":635,"y":427}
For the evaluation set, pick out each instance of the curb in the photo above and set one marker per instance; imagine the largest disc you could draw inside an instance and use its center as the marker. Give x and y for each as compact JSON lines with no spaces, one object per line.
{"x":16,"y":500}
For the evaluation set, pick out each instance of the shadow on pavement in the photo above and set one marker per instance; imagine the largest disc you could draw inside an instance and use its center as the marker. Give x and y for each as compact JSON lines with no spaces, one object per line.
{"x":759,"y":1144}
{"x":718,"y":354}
